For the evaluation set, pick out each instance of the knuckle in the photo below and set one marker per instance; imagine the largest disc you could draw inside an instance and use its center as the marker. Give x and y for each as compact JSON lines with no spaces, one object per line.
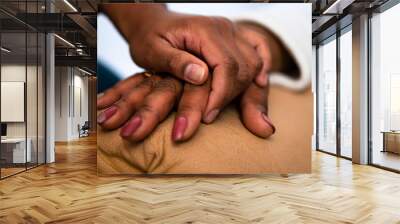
{"x":258,"y":65}
{"x":185,"y":25}
{"x":231,"y":64}
{"x":148,"y":82}
{"x":246,"y":73}
{"x":223,"y":22}
{"x":143,"y":55}
{"x":146,"y":108}
{"x":249,"y":101}
{"x":174,"y":61}
{"x":113,"y":92}
{"x":207,"y":20}
{"x":130,"y":100}
{"x":185,"y":107}
{"x":243,"y":78}
{"x":166,"y":86}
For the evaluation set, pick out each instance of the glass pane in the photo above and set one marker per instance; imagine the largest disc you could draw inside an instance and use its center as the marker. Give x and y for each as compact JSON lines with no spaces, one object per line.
{"x":346,"y":94}
{"x":41,"y":98}
{"x":327,"y":97}
{"x":13,"y":86}
{"x":31,"y":97}
{"x":386,"y":89}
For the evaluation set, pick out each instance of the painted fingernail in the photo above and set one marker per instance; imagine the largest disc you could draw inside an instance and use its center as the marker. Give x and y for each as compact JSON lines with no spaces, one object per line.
{"x":106,"y":114}
{"x":194,"y":73}
{"x":210,"y":117}
{"x":268,"y":120}
{"x":179,"y":128}
{"x":130,"y":127}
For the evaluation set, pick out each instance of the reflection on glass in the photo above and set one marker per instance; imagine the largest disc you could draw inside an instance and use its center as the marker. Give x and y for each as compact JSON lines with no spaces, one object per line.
{"x":327,"y":96}
{"x":346,"y":94}
{"x":31,"y":97}
{"x":22,"y":90}
{"x":386,"y":89}
{"x":41,"y":99}
{"x":15,"y":150}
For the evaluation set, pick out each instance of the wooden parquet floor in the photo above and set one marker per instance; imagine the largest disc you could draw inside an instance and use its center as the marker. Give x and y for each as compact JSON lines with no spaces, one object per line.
{"x":69,"y":191}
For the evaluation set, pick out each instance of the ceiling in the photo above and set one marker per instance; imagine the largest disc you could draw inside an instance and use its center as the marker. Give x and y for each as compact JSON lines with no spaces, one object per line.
{"x":332,"y":15}
{"x":72,"y":20}
{"x":75,"y":21}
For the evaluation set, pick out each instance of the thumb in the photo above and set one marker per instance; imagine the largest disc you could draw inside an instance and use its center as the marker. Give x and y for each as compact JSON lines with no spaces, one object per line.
{"x":254,"y":111}
{"x":163,"y":57}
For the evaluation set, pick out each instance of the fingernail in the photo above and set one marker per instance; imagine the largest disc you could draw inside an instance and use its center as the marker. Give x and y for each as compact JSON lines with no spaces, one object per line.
{"x":100,"y":99}
{"x":263,"y":80}
{"x":130,"y":127}
{"x":179,"y":128}
{"x":105,"y":115}
{"x":268,"y":120}
{"x":194,"y":73}
{"x":210,"y":117}
{"x":99,"y":95}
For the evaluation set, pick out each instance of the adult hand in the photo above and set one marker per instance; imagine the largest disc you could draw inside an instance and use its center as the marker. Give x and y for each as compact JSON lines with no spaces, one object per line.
{"x":139,"y":104}
{"x":193,"y":48}
{"x":253,"y":109}
{"x":253,"y":101}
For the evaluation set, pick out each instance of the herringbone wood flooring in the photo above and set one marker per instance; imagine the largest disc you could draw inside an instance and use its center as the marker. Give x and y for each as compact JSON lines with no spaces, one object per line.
{"x":69,"y":191}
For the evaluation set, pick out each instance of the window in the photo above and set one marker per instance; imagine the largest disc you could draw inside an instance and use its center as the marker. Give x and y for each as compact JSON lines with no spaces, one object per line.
{"x":346,"y":75}
{"x":22,"y":77}
{"x":385,"y":89}
{"x":327,"y":96}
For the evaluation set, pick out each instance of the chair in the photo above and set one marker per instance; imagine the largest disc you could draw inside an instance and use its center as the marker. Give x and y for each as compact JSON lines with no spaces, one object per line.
{"x":84,"y":130}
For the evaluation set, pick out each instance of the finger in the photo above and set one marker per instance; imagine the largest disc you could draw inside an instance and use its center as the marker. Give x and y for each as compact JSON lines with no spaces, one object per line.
{"x":114,"y":116}
{"x":114,"y":94}
{"x":260,"y":43}
{"x":231,"y":78}
{"x":164,"y":57}
{"x":265,"y":54}
{"x":190,"y":110}
{"x":225,"y":68}
{"x":155,"y":108}
{"x":252,"y":63}
{"x":254,"y":111}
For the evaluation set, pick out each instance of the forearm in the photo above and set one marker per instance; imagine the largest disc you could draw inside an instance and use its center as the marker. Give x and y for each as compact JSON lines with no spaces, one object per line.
{"x":129,"y":18}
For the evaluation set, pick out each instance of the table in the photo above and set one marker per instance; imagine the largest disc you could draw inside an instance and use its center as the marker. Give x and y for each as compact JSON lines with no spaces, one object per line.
{"x":391,"y":141}
{"x":13,"y":150}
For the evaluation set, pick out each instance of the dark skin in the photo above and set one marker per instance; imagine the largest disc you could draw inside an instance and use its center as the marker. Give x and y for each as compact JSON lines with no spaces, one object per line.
{"x":233,"y":60}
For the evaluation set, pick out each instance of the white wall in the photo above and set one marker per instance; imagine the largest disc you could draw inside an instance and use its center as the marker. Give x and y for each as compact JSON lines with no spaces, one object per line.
{"x":71,"y":93}
{"x":12,"y":73}
{"x":33,"y":126}
{"x":61,"y":103}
